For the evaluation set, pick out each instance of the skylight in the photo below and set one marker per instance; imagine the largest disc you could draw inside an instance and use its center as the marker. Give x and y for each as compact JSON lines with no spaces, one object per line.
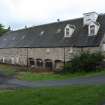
{"x":42,"y":32}
{"x":4,"y":39}
{"x":58,"y":30}
{"x":13,"y":38}
{"x":23,"y":36}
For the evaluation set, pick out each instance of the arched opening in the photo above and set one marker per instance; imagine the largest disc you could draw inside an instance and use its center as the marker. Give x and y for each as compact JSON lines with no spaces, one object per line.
{"x":5,"y":60}
{"x":12,"y":60}
{"x":1,"y":60}
{"x":48,"y":64}
{"x":31,"y":61}
{"x":39,"y":62}
{"x":59,"y":64}
{"x":8,"y":61}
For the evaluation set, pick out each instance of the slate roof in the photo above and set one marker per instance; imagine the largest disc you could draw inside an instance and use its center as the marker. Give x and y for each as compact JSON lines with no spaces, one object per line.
{"x":44,"y":36}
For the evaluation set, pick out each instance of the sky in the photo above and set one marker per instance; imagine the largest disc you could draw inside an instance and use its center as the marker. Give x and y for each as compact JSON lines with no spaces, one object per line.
{"x":20,"y":13}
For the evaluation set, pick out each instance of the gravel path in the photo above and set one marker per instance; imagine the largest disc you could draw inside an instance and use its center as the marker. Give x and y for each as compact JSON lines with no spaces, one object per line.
{"x":6,"y":82}
{"x":56,"y":83}
{"x":5,"y":85}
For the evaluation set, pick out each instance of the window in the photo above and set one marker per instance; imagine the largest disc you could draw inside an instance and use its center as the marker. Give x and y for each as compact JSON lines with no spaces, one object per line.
{"x":69,"y":30}
{"x":92,"y":30}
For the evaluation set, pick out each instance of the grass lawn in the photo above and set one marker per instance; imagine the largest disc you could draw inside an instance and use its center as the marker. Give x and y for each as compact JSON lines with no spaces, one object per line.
{"x":71,"y":95}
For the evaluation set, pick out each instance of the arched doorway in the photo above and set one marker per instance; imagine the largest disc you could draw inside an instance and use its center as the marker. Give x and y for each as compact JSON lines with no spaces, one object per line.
{"x":31,"y":62}
{"x":1,"y":60}
{"x":48,"y":64}
{"x":39,"y":63}
{"x":59,"y":64}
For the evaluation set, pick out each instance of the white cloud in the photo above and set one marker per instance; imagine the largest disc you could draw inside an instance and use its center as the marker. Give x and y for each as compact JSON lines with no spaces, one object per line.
{"x":15,"y":12}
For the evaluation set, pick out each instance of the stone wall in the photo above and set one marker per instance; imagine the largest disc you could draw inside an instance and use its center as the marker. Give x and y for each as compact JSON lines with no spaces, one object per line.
{"x":33,"y":56}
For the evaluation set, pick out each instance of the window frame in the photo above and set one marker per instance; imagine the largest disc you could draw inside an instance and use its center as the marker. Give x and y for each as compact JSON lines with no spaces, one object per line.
{"x":95,"y":27}
{"x":69,"y":30}
{"x":92,"y":30}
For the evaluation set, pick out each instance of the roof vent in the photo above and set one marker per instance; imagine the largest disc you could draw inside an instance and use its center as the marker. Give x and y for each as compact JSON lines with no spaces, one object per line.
{"x":89,"y":17}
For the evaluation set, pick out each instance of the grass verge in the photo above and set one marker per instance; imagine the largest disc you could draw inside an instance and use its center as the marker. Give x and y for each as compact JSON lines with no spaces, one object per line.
{"x":71,"y":95}
{"x":7,"y":70}
{"x":29,"y":76}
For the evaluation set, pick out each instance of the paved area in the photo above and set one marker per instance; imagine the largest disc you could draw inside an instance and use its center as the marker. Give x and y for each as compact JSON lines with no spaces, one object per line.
{"x":14,"y":83}
{"x":5,"y":85}
{"x":56,"y":83}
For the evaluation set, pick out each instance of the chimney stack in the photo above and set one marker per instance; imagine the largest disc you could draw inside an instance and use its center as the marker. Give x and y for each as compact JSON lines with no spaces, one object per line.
{"x":58,"y":20}
{"x":89,"y":17}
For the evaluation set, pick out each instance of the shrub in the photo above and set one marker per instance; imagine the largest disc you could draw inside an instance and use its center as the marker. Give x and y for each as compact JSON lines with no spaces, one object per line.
{"x":85,"y":61}
{"x":68,"y":67}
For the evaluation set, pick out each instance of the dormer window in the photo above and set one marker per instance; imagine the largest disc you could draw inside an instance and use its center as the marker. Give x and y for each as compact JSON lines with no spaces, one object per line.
{"x":93,"y":28}
{"x":69,"y":30}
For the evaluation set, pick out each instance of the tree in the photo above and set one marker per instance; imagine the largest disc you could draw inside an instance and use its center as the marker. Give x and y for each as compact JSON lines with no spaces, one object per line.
{"x":3,"y":30}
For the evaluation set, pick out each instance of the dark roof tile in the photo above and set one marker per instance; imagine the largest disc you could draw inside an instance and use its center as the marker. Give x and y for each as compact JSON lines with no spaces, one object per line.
{"x":51,"y":38}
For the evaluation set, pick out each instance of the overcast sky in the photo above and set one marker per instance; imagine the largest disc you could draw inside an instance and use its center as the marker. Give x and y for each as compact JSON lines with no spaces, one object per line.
{"x":18,"y":13}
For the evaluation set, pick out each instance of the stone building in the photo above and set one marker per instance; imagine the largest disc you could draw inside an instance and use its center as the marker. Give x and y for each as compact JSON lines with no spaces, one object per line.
{"x":50,"y":45}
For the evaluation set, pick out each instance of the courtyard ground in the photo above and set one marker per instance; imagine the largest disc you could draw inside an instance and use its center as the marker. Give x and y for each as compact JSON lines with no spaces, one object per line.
{"x":79,"y":89}
{"x":21,"y":73}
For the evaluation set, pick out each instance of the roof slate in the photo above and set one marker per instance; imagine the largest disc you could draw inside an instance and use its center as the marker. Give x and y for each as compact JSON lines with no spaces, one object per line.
{"x":52,"y":38}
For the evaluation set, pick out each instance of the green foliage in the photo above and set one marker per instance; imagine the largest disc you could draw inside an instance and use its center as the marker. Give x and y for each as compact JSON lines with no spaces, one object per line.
{"x":3,"y":30}
{"x":86,"y":61}
{"x":67,"y":68}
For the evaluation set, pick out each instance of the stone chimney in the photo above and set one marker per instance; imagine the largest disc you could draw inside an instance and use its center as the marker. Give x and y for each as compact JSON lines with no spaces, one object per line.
{"x":89,"y":17}
{"x":58,"y":20}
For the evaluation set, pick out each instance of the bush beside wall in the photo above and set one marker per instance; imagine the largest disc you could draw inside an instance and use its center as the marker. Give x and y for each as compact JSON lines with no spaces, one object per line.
{"x":85,"y":61}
